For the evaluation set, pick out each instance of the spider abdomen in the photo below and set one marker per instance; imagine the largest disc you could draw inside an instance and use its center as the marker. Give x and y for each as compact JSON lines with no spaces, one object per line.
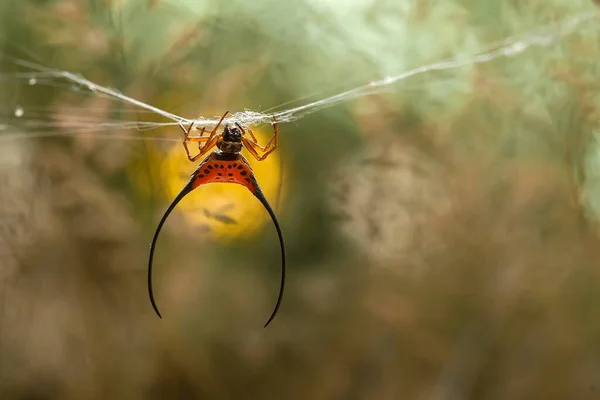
{"x":227,"y":168}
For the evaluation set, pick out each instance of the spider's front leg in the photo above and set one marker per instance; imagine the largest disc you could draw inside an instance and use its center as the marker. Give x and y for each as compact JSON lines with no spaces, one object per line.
{"x":187,"y":139}
{"x":254,"y":148}
{"x":209,"y":141}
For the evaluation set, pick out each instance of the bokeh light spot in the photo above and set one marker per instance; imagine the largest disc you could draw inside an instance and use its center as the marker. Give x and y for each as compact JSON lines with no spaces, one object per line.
{"x":229,"y":210}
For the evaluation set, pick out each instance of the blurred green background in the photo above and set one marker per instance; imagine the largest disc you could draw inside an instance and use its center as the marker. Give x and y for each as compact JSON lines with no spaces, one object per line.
{"x":442,"y":233}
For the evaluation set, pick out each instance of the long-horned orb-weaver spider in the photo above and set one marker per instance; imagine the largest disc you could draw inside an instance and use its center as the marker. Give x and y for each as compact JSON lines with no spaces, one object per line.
{"x":225,"y":165}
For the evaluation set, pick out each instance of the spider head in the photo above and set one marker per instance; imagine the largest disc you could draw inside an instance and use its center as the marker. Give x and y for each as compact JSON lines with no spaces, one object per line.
{"x":232,"y":135}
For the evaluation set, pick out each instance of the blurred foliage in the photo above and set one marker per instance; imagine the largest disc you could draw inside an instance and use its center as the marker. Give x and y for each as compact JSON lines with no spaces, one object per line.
{"x":442,"y":235}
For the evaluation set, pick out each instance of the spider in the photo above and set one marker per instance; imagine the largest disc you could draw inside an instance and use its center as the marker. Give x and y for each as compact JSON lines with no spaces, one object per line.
{"x":226,"y":165}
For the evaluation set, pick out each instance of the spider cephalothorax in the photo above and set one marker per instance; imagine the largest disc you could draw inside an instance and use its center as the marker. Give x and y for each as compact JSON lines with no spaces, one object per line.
{"x":225,"y":165}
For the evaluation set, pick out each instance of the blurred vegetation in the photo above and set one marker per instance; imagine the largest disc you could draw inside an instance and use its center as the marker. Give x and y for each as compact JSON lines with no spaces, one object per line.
{"x":442,"y":235}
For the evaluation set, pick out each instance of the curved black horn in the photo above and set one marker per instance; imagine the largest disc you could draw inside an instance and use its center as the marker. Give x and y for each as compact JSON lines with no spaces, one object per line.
{"x":188,"y":188}
{"x":261,"y":197}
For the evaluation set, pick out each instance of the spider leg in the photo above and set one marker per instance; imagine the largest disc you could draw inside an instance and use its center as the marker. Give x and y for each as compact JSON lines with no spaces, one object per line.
{"x":201,"y":148}
{"x":186,"y":131}
{"x":211,"y":140}
{"x":254,"y":148}
{"x":252,"y":135}
{"x":273,"y":140}
{"x":250,"y":147}
{"x":219,"y":124}
{"x":187,"y":139}
{"x":270,"y":144}
{"x":244,"y":131}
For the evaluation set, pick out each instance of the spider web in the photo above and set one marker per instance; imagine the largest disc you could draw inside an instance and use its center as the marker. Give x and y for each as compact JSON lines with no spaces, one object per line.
{"x":543,"y":36}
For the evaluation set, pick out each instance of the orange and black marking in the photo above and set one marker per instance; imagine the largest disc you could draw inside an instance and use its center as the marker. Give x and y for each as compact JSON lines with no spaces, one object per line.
{"x":219,"y":169}
{"x":225,"y":165}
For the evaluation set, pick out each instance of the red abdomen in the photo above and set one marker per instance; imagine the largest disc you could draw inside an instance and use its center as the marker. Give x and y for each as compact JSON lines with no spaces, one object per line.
{"x":231,"y":170}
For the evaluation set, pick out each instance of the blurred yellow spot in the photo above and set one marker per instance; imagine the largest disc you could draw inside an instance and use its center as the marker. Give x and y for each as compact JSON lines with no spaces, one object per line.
{"x":228,"y":209}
